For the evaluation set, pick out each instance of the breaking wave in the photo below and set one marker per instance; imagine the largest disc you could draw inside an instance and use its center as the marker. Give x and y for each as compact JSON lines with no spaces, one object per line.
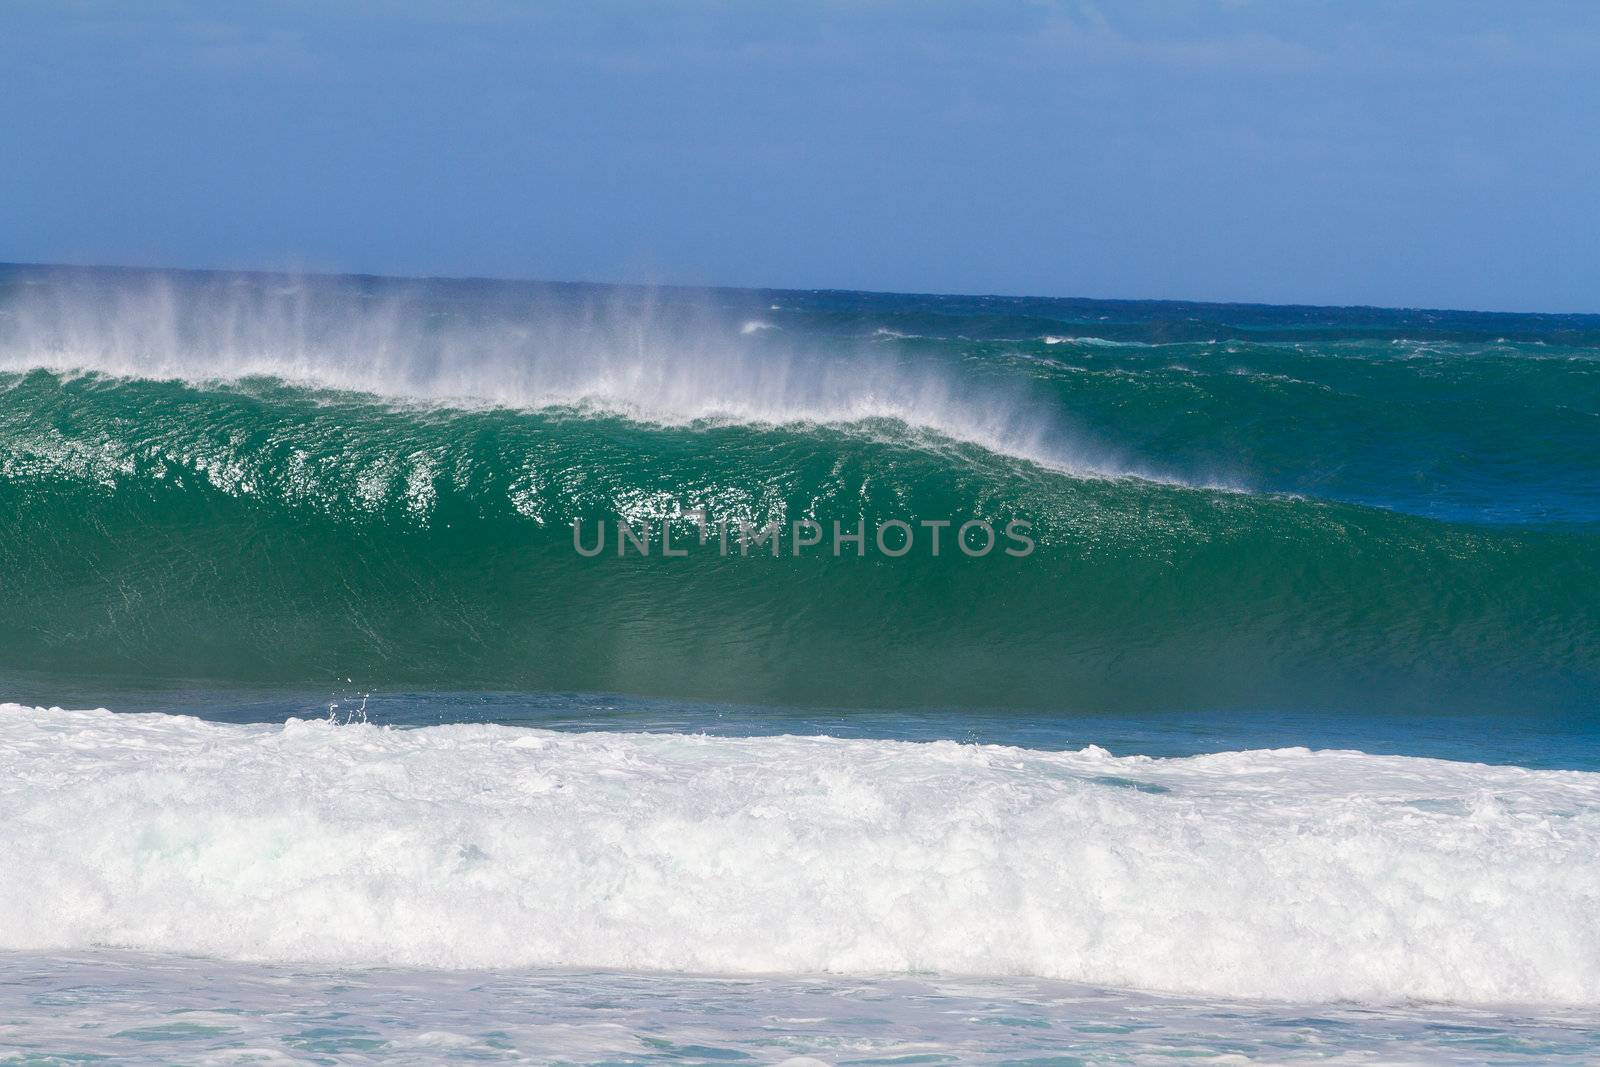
{"x":286,"y":482}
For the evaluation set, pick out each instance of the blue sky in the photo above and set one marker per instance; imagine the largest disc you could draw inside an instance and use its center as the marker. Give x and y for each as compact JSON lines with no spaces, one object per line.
{"x":1438,"y":154}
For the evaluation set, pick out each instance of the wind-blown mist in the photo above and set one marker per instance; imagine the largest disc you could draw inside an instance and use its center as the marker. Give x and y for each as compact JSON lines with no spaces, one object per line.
{"x":665,"y":359}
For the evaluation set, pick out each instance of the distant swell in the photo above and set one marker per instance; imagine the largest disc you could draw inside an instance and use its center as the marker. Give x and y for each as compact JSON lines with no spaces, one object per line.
{"x":1288,"y":874}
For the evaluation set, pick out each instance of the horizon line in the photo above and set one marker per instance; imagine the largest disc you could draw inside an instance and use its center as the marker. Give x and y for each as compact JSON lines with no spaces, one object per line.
{"x":688,"y":287}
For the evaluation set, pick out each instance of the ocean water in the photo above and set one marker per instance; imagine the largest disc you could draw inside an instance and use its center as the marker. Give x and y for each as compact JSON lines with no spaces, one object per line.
{"x":1279,"y":742}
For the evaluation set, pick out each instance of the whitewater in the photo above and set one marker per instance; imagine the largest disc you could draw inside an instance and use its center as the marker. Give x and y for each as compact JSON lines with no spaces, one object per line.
{"x":1287,"y":874}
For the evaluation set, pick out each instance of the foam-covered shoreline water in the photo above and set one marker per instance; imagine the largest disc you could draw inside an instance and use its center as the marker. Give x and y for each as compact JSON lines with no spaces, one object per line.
{"x":1290,"y":874}
{"x":158,"y":1009}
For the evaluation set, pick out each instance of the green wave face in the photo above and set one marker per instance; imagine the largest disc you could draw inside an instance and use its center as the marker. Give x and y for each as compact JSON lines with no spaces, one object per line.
{"x":254,"y":519}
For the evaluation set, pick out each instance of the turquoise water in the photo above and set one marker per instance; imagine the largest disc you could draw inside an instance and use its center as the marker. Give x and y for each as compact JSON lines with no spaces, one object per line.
{"x":1550,"y":741}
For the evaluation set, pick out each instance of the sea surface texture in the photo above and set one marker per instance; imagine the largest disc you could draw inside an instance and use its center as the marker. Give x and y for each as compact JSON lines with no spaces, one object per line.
{"x":1262,"y":726}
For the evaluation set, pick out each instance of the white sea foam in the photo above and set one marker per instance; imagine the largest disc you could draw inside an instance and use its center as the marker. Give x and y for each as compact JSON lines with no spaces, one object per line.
{"x":1095,"y":342}
{"x":1288,"y":874}
{"x":628,"y":359}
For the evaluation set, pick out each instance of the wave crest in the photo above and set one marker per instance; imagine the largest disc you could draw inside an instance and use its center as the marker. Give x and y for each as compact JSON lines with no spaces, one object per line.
{"x":630,"y":355}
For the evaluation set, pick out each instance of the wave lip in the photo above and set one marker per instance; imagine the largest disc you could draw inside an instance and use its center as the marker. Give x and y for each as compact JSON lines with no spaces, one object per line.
{"x":1279,"y":874}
